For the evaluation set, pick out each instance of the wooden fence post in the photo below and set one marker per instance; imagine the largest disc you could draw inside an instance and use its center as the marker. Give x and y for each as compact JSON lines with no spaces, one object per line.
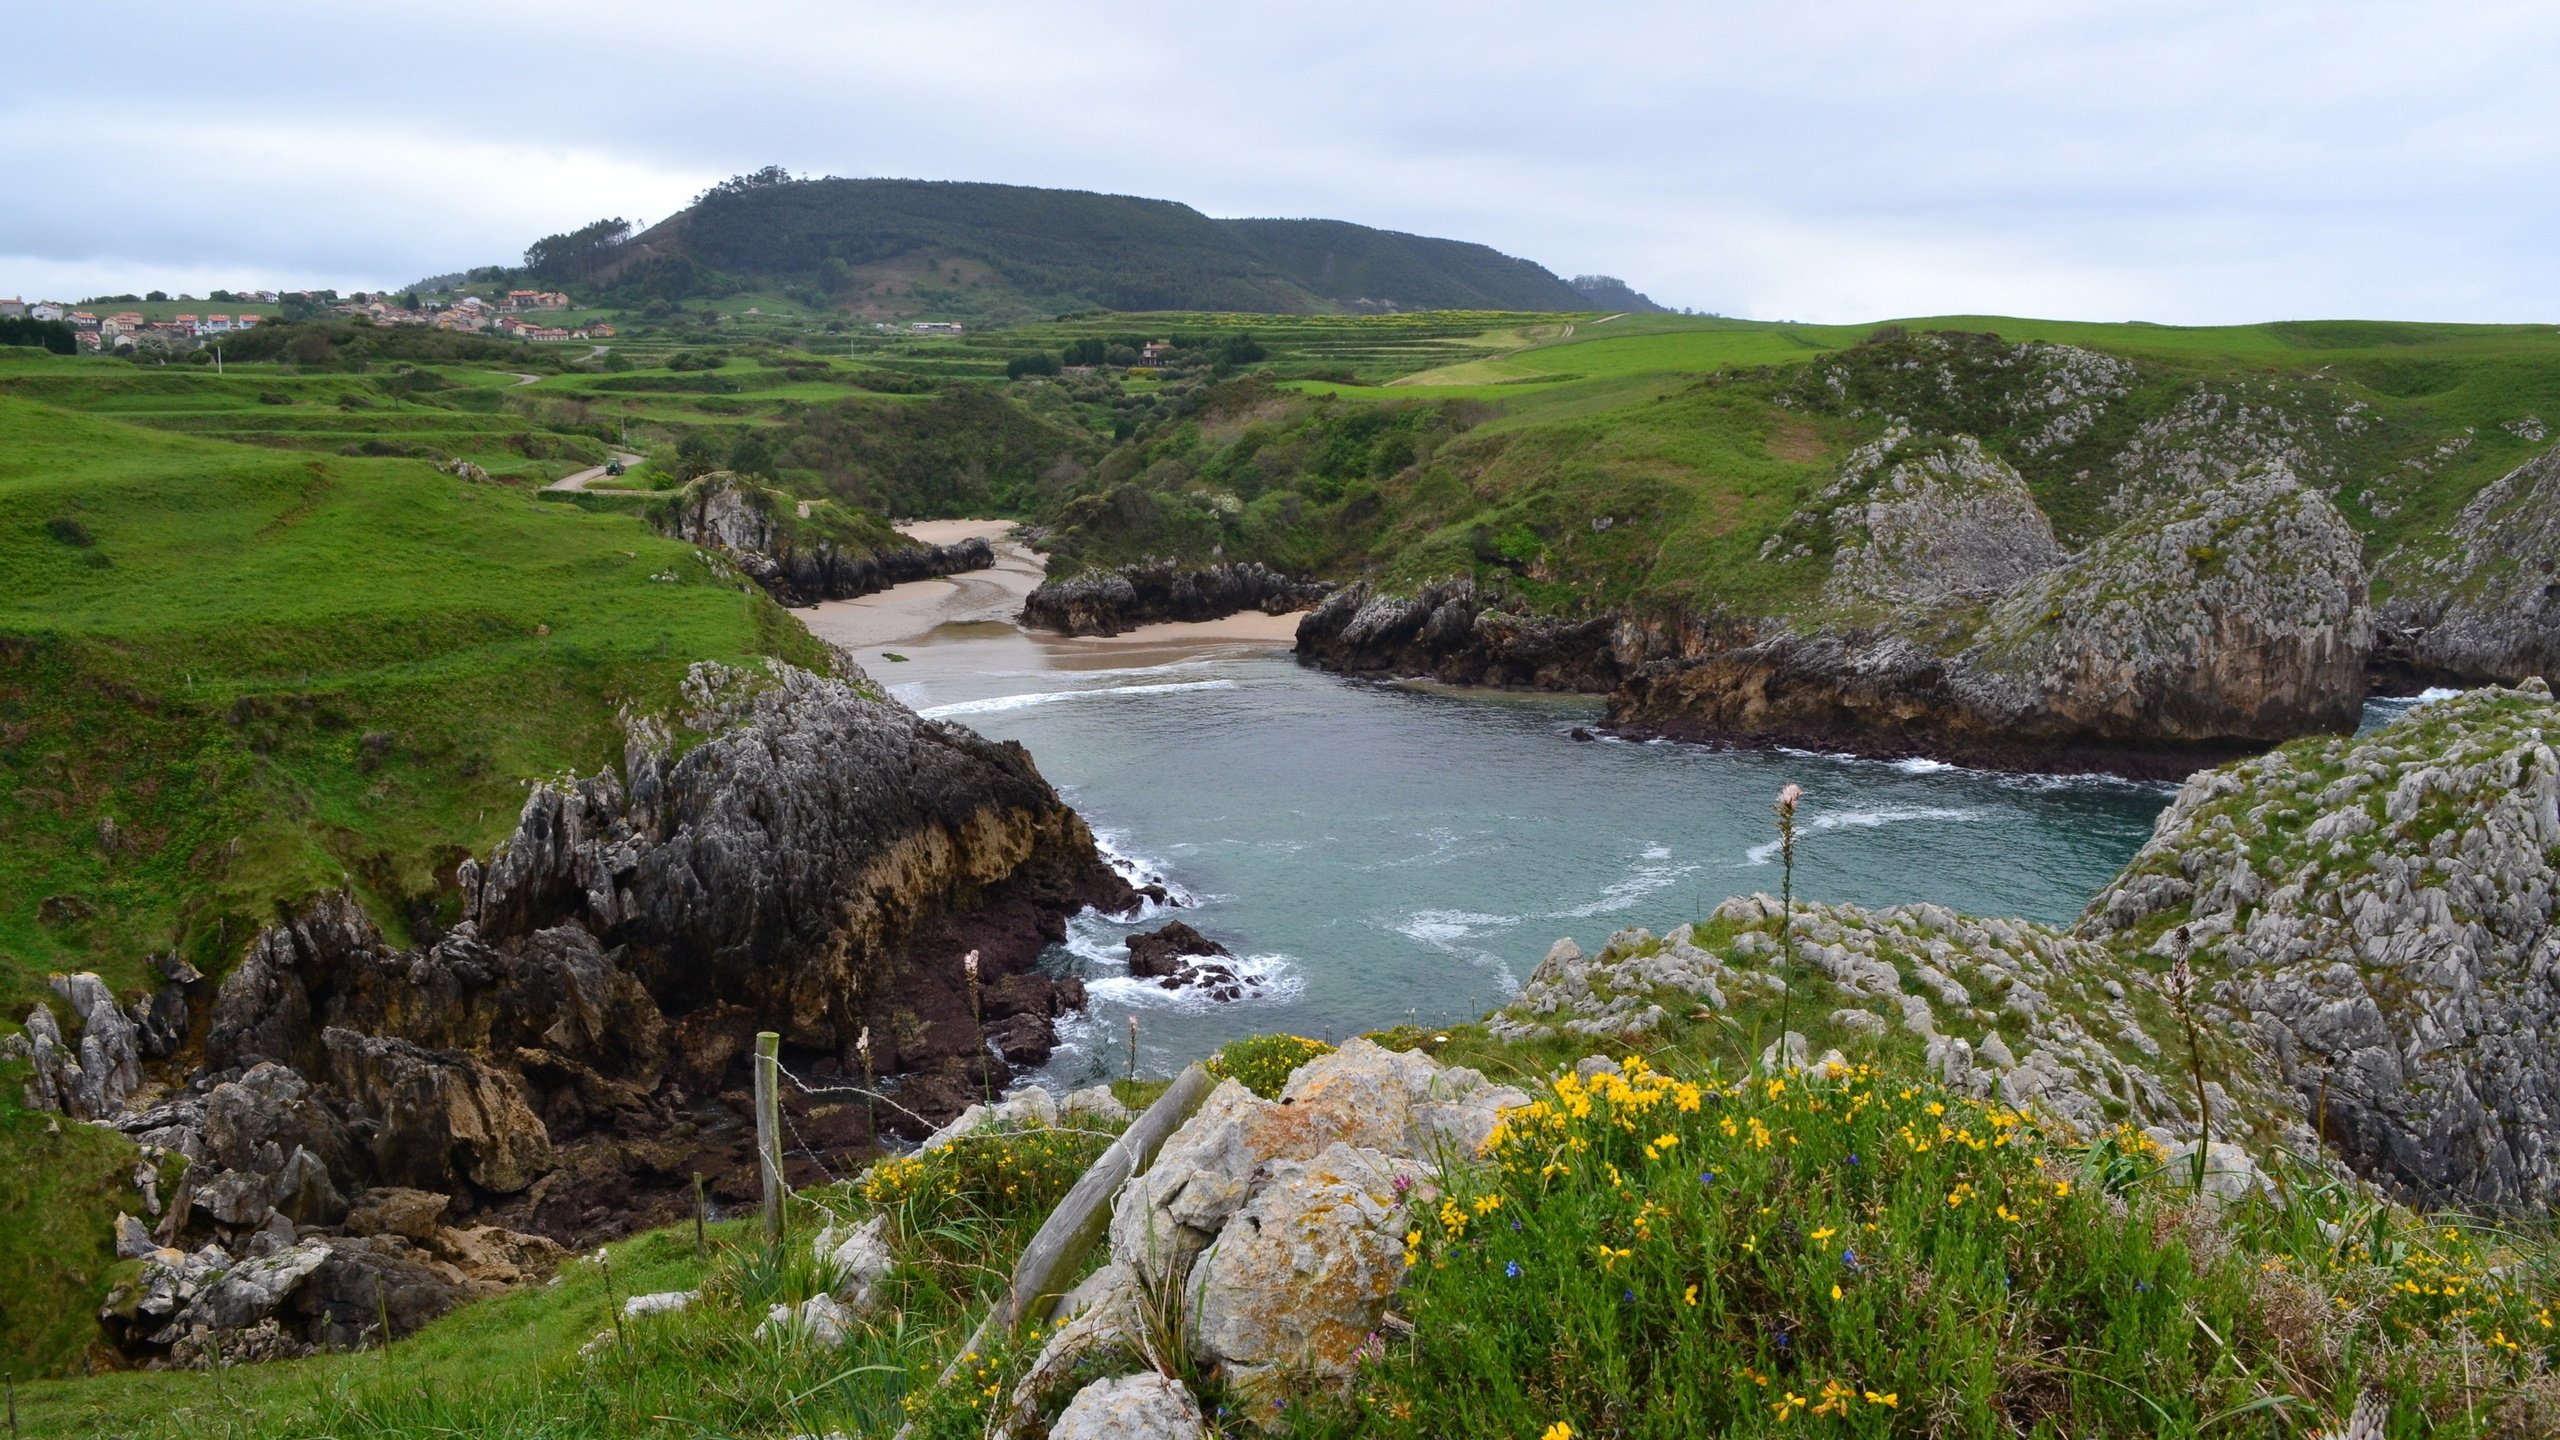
{"x":769,"y":1130}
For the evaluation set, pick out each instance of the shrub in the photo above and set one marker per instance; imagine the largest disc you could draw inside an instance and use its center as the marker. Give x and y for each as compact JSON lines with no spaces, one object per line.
{"x":1264,"y":1063}
{"x":1646,"y":1256}
{"x":986,"y":1173}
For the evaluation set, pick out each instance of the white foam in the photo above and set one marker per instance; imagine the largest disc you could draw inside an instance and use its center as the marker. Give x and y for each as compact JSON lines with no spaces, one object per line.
{"x":1626,"y":891}
{"x":911,"y":694}
{"x":1762,"y":854}
{"x":1002,"y":703}
{"x":1921,"y":765}
{"x":1439,"y":927}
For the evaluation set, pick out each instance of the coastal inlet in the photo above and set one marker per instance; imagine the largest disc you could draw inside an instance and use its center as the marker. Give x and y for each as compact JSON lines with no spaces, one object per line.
{"x":1377,"y":854}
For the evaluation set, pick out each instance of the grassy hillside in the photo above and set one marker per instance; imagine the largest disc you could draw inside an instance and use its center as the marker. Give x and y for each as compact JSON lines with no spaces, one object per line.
{"x":1649,"y":458}
{"x":238,"y":672}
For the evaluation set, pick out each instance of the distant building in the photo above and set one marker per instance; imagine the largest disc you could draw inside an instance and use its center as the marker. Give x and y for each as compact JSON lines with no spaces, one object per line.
{"x":536,"y":300}
{"x":13,"y":308}
{"x":937,"y":327}
{"x":45,"y":310}
{"x":1155,"y":351}
{"x":83,"y":320}
{"x":89,"y":341}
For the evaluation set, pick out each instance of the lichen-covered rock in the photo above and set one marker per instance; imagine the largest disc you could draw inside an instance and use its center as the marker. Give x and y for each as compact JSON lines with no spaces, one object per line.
{"x":858,"y":1259}
{"x":1278,"y":1221}
{"x":1107,"y":602}
{"x":819,"y":1320}
{"x":88,"y":1078}
{"x":2485,"y":607}
{"x":1293,"y":1285}
{"x":1132,"y":1407}
{"x":1448,"y":631}
{"x":2376,"y":914}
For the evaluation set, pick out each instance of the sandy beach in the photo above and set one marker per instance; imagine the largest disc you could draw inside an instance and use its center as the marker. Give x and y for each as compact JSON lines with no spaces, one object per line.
{"x":980,"y":606}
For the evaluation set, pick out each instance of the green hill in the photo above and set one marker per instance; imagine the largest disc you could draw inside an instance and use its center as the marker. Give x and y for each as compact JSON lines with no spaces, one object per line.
{"x":957,"y":250}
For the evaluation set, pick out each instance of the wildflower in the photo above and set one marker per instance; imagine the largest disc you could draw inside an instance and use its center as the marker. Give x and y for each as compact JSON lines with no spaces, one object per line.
{"x":1689,"y":1296}
{"x":1835,"y":1398}
{"x":1835,"y":1289}
{"x":1558,"y":1431}
{"x":1706,"y":1177}
{"x":1891,"y":1399}
{"x":1511,"y":1269}
{"x":1849,"y":1258}
{"x":1825,"y":1233}
{"x":1787,"y":1405}
{"x":1779,"y":1338}
{"x":2061,"y":1189}
{"x":1487,"y":1204}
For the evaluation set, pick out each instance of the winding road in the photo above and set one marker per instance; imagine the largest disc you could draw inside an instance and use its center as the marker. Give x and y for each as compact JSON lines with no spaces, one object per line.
{"x":584,"y":478}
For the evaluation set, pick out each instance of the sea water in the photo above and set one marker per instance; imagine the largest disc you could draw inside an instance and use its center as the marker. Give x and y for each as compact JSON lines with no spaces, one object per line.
{"x":1390,"y":853}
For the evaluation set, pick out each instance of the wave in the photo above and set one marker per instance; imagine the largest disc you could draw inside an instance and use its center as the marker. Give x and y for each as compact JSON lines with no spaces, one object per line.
{"x":1002,"y":703}
{"x":1139,"y":870}
{"x":1439,"y":927}
{"x":1625,"y":892}
{"x":1767,"y":851}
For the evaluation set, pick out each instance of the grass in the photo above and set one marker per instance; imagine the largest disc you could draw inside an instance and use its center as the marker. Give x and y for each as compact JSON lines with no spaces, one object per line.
{"x":236,"y":676}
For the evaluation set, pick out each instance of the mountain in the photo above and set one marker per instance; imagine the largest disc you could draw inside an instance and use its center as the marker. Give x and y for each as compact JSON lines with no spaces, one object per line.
{"x":890,"y":248}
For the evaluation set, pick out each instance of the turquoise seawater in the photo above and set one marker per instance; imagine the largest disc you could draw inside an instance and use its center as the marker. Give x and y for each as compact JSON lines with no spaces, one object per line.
{"x":1382,"y":853}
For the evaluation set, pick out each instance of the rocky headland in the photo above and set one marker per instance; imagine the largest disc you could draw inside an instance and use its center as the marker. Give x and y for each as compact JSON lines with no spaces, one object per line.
{"x":1108,"y":602}
{"x":557,"y":1063}
{"x":2037,"y":565}
{"x":803,"y":552}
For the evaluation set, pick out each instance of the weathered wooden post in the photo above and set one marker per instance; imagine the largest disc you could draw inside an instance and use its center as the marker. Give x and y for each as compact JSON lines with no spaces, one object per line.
{"x":701,"y":1210}
{"x":769,"y":1130}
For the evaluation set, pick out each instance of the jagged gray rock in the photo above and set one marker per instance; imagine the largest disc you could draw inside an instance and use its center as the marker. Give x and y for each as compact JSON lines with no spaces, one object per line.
{"x":2486,"y":606}
{"x":1132,"y":1407}
{"x":1107,"y":602}
{"x":2377,"y":914}
{"x":801,"y":560}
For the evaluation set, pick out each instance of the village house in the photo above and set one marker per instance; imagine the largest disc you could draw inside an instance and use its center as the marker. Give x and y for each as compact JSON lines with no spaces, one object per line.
{"x":1156,"y":352}
{"x":83,"y":320}
{"x":13,"y":308}
{"x":936,"y":327}
{"x":47,"y":310}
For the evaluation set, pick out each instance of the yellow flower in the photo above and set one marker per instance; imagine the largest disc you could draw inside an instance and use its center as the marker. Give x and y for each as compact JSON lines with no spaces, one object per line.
{"x":1689,"y":1296}
{"x":1835,"y":1292}
{"x":1891,"y":1399}
{"x":2061,"y":1189}
{"x":1825,"y":1233}
{"x":1487,"y":1204}
{"x":1786,"y":1406}
{"x":1558,"y":1431}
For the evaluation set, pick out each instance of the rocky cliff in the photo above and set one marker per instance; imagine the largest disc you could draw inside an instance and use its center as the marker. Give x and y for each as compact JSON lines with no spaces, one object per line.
{"x":2376,"y":917}
{"x":1106,"y":602}
{"x":2194,"y":632}
{"x":2369,"y":927}
{"x":558,"y":1063}
{"x":2484,"y":606}
{"x":806,"y":551}
{"x":1449,"y":630}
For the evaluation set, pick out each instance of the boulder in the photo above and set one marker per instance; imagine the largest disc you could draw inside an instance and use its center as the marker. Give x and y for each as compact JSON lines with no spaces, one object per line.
{"x":1295,"y":1281}
{"x":819,"y":1320}
{"x":1158,"y":953}
{"x":397,"y":1210}
{"x":858,"y":1257}
{"x":1132,"y":1407}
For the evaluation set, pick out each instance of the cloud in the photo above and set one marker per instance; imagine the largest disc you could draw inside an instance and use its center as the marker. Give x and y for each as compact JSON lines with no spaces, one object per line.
{"x":2176,"y":161}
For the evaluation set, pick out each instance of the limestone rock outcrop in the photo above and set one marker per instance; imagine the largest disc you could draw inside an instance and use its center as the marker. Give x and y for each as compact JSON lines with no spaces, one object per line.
{"x":2376,"y":915}
{"x":2192,"y":634}
{"x":1107,"y":602}
{"x":802,"y":551}
{"x":2486,"y":607}
{"x":1448,"y":630}
{"x":1284,"y":1218}
{"x":575,"y":1043}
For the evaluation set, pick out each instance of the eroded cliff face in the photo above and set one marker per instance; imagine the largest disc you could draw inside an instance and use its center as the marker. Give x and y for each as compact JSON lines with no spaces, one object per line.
{"x":2200,"y":630}
{"x":2376,"y":917}
{"x":2486,"y":606}
{"x":1107,"y":602}
{"x":799,"y":556}
{"x":558,"y":1064}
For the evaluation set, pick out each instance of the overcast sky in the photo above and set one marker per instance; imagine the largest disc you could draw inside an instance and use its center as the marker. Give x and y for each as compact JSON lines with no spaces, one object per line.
{"x":2178,"y":162}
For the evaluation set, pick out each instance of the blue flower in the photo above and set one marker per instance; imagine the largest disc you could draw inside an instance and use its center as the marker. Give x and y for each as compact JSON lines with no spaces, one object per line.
{"x":1849,"y":1258}
{"x":1853,"y":1157}
{"x":1515,"y":1225}
{"x":1706,"y":1177}
{"x":1780,"y":1336}
{"x":1629,"y":1296}
{"x":1511,"y":1268}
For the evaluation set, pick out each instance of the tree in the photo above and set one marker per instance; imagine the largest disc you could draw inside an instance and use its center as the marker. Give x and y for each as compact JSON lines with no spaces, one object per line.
{"x":1240,"y":350}
{"x":578,"y":255}
{"x":157,"y":296}
{"x":1088,"y":351}
{"x":409,"y":301}
{"x":1039,"y":362}
{"x":51,"y":335}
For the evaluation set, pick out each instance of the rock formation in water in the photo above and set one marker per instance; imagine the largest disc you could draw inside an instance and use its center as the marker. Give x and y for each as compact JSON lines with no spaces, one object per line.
{"x":1448,"y":630}
{"x":806,"y":551}
{"x":2485,"y":607}
{"x":1178,"y":957}
{"x":1107,"y":602}
{"x":556,"y":1065}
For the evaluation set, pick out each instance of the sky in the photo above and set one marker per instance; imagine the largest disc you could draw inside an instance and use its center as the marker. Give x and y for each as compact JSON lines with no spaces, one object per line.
{"x":2185,"y":163}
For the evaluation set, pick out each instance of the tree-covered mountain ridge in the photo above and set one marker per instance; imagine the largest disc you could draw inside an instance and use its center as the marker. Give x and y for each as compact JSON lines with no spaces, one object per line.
{"x":945,"y":249}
